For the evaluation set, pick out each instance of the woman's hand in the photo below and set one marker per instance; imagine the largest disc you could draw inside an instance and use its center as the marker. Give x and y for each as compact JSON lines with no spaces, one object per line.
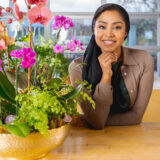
{"x":106,"y":60}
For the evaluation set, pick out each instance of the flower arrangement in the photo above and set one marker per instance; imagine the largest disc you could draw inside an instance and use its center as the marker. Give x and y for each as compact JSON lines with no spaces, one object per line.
{"x":49,"y":101}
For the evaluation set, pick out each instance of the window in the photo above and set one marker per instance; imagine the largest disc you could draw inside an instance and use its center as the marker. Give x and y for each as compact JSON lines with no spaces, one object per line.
{"x":137,"y":5}
{"x":143,"y":32}
{"x":74,"y":5}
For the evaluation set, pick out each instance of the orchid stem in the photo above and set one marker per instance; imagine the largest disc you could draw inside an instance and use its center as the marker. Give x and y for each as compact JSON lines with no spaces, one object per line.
{"x":8,"y":60}
{"x":30,"y":46}
{"x":16,"y":88}
{"x":2,"y":62}
{"x":0,"y":111}
{"x":29,"y":78}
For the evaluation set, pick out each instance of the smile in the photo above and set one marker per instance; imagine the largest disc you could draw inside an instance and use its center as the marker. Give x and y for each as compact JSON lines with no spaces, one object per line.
{"x":109,"y":42}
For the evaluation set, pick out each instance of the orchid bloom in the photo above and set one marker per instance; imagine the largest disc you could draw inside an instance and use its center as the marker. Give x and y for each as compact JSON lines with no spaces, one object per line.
{"x":13,"y":1}
{"x":27,"y":55}
{"x":0,"y":13}
{"x":39,"y":15}
{"x":8,"y":9}
{"x":0,"y":64}
{"x":9,"y":21}
{"x":61,"y":21}
{"x":19,"y":15}
{"x":4,"y":35}
{"x":58,"y":49}
{"x":39,"y":3}
{"x":73,"y":44}
{"x":28,"y":58}
{"x":2,"y":44}
{"x":16,"y":54}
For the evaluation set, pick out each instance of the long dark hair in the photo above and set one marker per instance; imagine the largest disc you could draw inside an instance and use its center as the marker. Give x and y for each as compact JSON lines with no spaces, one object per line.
{"x":92,"y":72}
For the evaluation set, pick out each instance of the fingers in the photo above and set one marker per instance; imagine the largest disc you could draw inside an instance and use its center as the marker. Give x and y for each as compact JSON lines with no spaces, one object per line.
{"x":107,"y":58}
{"x":114,"y":55}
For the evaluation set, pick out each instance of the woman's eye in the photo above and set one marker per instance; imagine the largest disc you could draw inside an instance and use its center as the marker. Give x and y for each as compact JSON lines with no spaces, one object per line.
{"x":102,"y":27}
{"x":117,"y":27}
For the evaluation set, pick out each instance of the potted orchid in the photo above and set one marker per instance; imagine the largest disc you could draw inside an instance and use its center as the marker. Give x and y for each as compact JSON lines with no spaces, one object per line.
{"x":36,"y":116}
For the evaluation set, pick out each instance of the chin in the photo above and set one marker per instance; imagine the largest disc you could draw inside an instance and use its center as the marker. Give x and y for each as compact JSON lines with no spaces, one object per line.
{"x":109,"y":49}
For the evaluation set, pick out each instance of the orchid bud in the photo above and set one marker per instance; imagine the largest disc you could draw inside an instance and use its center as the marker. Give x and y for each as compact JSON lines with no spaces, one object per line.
{"x":67,"y":119}
{"x":9,"y":119}
{"x":13,"y":1}
{"x":9,"y":20}
{"x":8,"y":9}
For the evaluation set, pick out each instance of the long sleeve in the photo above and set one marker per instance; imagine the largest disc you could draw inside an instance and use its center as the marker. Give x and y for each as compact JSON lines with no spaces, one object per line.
{"x":134,"y":116}
{"x":103,"y":99}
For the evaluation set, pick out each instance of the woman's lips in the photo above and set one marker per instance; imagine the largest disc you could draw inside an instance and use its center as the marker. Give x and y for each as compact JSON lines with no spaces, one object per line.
{"x":109,"y":42}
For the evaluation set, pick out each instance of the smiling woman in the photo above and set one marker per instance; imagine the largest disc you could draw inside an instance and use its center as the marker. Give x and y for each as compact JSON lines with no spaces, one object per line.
{"x":121,"y":78}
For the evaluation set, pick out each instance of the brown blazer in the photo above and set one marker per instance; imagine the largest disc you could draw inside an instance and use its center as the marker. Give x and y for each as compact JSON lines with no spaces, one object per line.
{"x":138,"y":74}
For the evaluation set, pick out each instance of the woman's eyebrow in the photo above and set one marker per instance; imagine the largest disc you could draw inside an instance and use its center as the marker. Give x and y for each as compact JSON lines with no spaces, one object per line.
{"x":112,"y":23}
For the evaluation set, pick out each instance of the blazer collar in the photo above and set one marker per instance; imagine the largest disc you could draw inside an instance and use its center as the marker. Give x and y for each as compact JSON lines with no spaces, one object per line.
{"x":128,"y":58}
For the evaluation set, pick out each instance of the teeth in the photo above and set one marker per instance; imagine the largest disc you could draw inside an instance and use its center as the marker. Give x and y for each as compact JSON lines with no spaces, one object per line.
{"x":108,"y":42}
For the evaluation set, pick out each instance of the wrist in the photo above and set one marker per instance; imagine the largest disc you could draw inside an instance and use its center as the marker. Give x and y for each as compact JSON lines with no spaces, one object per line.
{"x":106,"y":80}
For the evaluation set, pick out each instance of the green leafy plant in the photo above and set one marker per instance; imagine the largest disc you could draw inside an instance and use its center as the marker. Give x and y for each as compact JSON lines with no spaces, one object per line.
{"x":49,"y":101}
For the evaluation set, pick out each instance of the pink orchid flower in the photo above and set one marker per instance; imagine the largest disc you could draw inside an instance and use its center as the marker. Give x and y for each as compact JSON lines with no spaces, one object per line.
{"x":61,"y":21}
{"x":13,"y":1}
{"x":58,"y":49}
{"x":2,"y":44}
{"x":8,"y":9}
{"x":16,"y":54}
{"x":0,"y":13}
{"x":9,"y":21}
{"x":0,"y":64}
{"x":73,"y":44}
{"x":39,"y":3}
{"x":28,"y":57}
{"x":39,"y":15}
{"x":19,"y":15}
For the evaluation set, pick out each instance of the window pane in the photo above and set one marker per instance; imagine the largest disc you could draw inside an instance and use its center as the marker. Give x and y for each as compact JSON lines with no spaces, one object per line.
{"x":22,"y":5}
{"x":4,"y":3}
{"x":137,"y":5}
{"x":74,"y":5}
{"x":142,"y":32}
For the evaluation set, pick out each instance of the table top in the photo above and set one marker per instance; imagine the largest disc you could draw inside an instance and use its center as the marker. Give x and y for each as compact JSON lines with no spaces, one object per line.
{"x":113,"y":143}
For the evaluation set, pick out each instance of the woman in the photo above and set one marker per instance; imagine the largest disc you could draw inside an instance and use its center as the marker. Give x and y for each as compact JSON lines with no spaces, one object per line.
{"x":121,"y":78}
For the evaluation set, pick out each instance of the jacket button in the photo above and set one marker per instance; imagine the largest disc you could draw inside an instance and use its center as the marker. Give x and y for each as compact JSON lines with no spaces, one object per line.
{"x":122,"y":67}
{"x":125,"y":74}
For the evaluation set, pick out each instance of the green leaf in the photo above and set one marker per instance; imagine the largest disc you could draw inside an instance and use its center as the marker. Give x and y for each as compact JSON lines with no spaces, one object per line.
{"x":24,"y":128}
{"x":7,"y":90}
{"x":1,"y":123}
{"x":54,"y":82}
{"x":73,"y":93}
{"x":19,"y":129}
{"x":9,"y":107}
{"x":24,"y":39}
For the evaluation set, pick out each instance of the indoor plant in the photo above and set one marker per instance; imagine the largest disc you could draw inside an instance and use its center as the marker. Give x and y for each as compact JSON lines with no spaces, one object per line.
{"x":48,"y":103}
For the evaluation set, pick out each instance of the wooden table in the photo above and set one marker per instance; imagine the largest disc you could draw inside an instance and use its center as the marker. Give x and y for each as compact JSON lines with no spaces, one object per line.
{"x":138,"y":142}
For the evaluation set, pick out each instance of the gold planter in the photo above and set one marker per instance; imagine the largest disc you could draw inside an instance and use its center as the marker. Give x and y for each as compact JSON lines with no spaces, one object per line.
{"x":33,"y":146}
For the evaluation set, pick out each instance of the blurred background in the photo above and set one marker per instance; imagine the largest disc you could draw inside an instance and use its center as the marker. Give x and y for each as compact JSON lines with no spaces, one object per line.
{"x":144,"y":32}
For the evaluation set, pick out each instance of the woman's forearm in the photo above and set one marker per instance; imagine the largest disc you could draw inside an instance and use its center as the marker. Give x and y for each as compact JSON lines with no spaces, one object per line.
{"x":103,"y":99}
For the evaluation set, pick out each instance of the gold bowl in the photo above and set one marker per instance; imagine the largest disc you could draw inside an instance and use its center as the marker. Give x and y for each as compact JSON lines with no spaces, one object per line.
{"x":33,"y":146}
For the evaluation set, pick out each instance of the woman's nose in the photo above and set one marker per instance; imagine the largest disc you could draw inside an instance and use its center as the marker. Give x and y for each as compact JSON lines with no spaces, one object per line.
{"x":109,"y":32}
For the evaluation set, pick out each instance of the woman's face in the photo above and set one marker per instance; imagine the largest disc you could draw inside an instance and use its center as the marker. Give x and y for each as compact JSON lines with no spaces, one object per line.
{"x":110,"y":31}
